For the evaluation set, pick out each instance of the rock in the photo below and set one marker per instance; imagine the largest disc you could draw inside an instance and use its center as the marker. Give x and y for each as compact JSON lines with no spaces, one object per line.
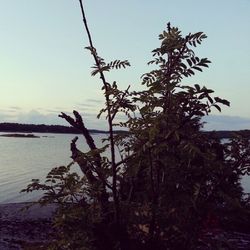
{"x":21,"y":227}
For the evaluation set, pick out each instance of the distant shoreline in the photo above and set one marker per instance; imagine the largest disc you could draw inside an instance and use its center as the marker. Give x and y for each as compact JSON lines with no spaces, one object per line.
{"x":60,"y":129}
{"x":20,"y":135}
{"x":42,"y":128}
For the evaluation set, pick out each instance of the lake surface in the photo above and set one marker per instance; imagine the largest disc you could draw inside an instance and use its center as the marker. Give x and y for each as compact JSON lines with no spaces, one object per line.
{"x":24,"y":159}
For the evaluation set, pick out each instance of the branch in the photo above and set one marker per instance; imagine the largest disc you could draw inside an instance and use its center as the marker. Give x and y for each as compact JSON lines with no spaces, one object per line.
{"x":114,"y":174}
{"x":85,"y":164}
{"x":76,"y":156}
{"x":78,"y":124}
{"x":117,"y":108}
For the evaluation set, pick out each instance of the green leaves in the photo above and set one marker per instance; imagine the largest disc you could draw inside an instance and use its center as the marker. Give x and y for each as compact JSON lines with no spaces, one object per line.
{"x":170,"y":175}
{"x":222,"y":101}
{"x":204,"y":62}
{"x":195,"y":63}
{"x":217,"y":107}
{"x":172,"y":34}
{"x":102,"y":67}
{"x":175,"y":57}
{"x":195,"y":38}
{"x":117,"y":64}
{"x":149,"y":78}
{"x":197,"y":86}
{"x":218,"y":100}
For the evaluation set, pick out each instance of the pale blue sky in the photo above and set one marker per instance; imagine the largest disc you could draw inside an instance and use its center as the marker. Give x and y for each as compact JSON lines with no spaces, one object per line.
{"x":44,"y":68}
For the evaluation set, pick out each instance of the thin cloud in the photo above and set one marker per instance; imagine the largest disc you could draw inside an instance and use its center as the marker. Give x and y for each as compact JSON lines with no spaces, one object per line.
{"x":54,"y":111}
{"x":5,"y":117}
{"x":94,"y":101}
{"x":15,"y":108}
{"x":85,"y":105}
{"x":11,"y":109}
{"x":88,"y":107}
{"x":3,"y":110}
{"x":224,"y":122}
{"x":31,"y":117}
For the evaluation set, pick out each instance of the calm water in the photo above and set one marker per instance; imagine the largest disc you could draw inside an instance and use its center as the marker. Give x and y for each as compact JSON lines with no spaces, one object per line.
{"x":23,"y":159}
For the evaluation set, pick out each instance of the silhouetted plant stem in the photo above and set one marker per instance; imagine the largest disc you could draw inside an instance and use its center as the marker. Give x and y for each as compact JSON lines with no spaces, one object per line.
{"x":118,"y":104}
{"x":111,"y":133}
{"x":154,"y":197}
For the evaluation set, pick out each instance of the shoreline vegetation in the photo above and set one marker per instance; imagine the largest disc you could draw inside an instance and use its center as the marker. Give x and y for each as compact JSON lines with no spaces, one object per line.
{"x":60,"y":129}
{"x":20,"y":135}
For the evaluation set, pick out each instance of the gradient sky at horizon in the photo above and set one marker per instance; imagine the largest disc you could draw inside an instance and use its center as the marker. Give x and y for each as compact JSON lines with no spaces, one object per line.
{"x":44,"y":68}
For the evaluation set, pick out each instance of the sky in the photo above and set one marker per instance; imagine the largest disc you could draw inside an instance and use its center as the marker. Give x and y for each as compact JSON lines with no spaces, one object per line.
{"x":45,"y":70}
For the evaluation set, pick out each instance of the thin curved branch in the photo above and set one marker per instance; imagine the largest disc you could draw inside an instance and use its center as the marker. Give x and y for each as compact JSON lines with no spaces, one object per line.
{"x":105,"y":84}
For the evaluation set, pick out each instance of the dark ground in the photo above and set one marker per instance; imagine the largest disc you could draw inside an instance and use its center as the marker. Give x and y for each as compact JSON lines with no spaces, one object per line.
{"x":25,"y":229}
{"x":31,"y":229}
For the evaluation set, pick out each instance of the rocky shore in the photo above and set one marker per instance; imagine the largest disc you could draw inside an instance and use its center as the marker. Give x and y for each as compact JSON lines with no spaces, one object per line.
{"x":25,"y":229}
{"x":32,"y":229}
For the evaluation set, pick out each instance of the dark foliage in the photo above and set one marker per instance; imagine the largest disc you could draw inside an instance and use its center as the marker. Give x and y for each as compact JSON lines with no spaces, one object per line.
{"x":173,"y":182}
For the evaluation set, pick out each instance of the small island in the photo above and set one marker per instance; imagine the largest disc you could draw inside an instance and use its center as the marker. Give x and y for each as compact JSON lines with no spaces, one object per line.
{"x":20,"y":135}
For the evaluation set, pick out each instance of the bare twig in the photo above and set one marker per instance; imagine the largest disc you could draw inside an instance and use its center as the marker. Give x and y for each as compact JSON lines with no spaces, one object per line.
{"x":78,"y":124}
{"x":105,"y":84}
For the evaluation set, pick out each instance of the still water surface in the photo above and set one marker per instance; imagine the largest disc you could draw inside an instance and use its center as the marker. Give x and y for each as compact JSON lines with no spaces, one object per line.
{"x":24,"y":159}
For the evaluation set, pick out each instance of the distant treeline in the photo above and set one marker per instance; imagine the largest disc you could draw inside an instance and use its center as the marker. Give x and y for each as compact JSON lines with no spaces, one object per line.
{"x":226,"y":134}
{"x":42,"y":128}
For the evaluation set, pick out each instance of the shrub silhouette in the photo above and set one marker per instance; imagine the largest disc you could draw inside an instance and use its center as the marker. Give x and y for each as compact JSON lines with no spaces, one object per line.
{"x":172,"y":183}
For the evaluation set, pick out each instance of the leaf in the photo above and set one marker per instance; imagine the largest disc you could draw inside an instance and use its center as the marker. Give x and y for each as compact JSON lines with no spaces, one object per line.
{"x":96,"y":71}
{"x":193,"y":60}
{"x":222,"y":101}
{"x":208,"y":91}
{"x":183,"y":65}
{"x":189,"y":62}
{"x":100,"y":113}
{"x":117,"y":64}
{"x":190,"y":71}
{"x":217,"y":106}
{"x":197,"y":68}
{"x":210,"y":99}
{"x":197,"y":86}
